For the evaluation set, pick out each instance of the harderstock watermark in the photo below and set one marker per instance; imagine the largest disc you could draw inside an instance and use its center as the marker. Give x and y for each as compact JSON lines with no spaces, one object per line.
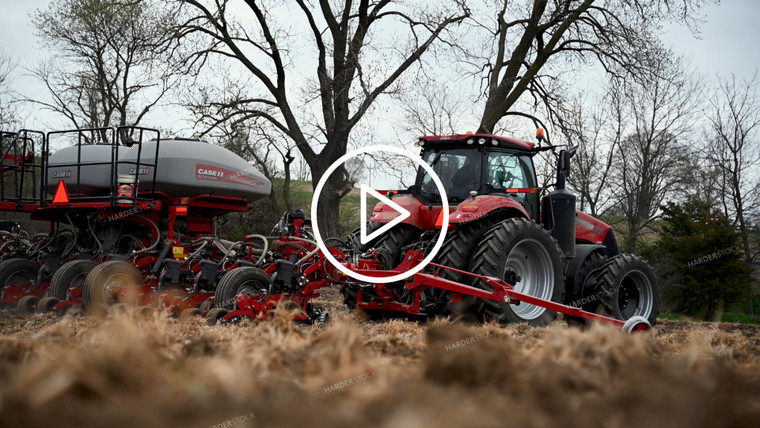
{"x":716,"y":255}
{"x":348,"y":382}
{"x":129,"y":212}
{"x":467,"y":341}
{"x":234,"y":421}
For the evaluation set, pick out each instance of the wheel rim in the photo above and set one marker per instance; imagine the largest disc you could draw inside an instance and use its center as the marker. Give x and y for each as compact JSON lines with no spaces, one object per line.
{"x":114,"y":283}
{"x":532,"y":263}
{"x":635,"y":296}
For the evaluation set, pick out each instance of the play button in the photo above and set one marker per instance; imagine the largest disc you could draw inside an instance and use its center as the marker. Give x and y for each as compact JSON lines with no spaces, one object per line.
{"x":403,"y":214}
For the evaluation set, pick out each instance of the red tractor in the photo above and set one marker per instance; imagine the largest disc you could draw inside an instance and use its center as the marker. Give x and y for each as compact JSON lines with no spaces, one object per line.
{"x":502,"y":225}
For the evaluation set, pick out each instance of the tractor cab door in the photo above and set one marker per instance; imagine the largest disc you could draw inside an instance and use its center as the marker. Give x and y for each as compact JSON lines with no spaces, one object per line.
{"x":512,"y":175}
{"x":459,"y":171}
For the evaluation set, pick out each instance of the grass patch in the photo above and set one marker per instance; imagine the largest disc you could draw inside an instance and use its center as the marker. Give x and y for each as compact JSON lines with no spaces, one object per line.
{"x":740,"y":318}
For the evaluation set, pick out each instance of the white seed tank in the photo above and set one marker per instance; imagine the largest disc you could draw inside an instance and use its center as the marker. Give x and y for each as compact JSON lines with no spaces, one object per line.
{"x":185,"y":168}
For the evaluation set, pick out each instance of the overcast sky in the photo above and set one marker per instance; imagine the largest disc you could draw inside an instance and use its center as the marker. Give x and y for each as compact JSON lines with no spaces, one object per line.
{"x":729,"y":41}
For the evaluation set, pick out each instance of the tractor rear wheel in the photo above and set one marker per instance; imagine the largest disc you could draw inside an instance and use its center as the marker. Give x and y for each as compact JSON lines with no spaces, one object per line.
{"x":354,"y":238}
{"x":628,"y":287}
{"x":456,"y":252}
{"x":100,"y":286}
{"x":390,"y":246}
{"x":521,"y":248}
{"x":70,"y":275}
{"x":242,"y":280}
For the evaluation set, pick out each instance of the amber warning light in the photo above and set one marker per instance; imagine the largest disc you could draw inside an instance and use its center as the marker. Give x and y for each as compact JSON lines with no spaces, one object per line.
{"x":540,"y":134}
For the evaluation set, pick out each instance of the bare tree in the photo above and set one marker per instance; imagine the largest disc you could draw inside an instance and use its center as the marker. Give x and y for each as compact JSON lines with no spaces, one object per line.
{"x":114,"y":62}
{"x":597,"y":137}
{"x":526,"y":37}
{"x":8,"y":115}
{"x":346,"y":80}
{"x":434,"y":108}
{"x":655,"y":115}
{"x":734,"y":151}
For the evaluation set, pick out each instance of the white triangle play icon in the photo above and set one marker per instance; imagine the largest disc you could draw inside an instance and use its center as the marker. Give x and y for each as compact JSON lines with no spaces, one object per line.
{"x":403,"y":214}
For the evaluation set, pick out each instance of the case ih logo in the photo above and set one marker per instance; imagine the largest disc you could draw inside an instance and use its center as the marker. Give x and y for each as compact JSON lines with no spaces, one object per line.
{"x":143,"y":171}
{"x":214,"y":173}
{"x":209,"y":172}
{"x":62,"y":174}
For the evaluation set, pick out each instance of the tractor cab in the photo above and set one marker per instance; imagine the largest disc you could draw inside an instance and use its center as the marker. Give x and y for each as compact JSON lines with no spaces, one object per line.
{"x":474,"y":165}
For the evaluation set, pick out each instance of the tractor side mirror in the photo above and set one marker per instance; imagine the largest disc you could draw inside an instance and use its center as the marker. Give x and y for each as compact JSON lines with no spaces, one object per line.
{"x":563,"y":164}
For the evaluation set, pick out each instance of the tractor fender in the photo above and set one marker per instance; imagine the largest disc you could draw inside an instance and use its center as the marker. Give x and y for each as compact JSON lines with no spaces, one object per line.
{"x":582,"y":252}
{"x":420,"y":215}
{"x":477,"y":207}
{"x":428,"y":217}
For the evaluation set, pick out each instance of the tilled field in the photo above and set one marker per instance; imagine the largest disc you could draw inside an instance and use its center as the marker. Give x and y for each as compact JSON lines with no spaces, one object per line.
{"x":131,"y":371}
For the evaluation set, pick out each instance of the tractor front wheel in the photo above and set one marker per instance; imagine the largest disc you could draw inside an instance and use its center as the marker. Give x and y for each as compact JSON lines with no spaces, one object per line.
{"x":582,"y":295}
{"x":521,"y":252}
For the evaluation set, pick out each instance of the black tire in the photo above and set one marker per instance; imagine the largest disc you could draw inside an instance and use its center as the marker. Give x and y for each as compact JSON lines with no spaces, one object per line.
{"x":213,"y":316}
{"x":247,"y":280}
{"x":390,"y":245}
{"x":350,"y":293}
{"x":70,"y":275}
{"x":26,"y":304}
{"x":353,"y":238}
{"x":578,"y":294}
{"x":46,"y":304}
{"x":456,"y":252}
{"x":103,"y":280}
{"x":628,"y":287}
{"x":524,"y":247}
{"x":18,"y":271}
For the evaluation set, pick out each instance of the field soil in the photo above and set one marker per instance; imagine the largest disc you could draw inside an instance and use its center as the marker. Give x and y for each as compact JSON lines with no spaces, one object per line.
{"x":137,"y":370}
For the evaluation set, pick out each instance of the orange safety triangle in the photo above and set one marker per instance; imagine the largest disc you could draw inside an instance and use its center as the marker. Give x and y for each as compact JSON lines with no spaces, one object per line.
{"x":61,"y":194}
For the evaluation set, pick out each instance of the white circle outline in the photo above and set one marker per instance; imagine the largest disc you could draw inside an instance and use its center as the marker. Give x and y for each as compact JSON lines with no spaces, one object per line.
{"x":377,"y":279}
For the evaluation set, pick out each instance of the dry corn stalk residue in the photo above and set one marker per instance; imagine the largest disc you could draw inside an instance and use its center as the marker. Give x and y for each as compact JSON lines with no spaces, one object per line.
{"x":133,"y":369}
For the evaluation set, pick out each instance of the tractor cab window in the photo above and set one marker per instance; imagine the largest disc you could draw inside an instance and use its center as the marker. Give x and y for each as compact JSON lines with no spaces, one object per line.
{"x":459,"y":171}
{"x":505,"y":170}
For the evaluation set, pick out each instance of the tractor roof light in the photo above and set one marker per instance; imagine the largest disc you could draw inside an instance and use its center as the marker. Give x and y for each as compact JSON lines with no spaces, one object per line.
{"x":420,"y":143}
{"x":540,"y":134}
{"x":470,"y":141}
{"x":494,"y":142}
{"x":481,"y":141}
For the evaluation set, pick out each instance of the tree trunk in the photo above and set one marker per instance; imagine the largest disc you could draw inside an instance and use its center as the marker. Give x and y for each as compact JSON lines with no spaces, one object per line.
{"x":715,"y":311}
{"x":328,"y":208}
